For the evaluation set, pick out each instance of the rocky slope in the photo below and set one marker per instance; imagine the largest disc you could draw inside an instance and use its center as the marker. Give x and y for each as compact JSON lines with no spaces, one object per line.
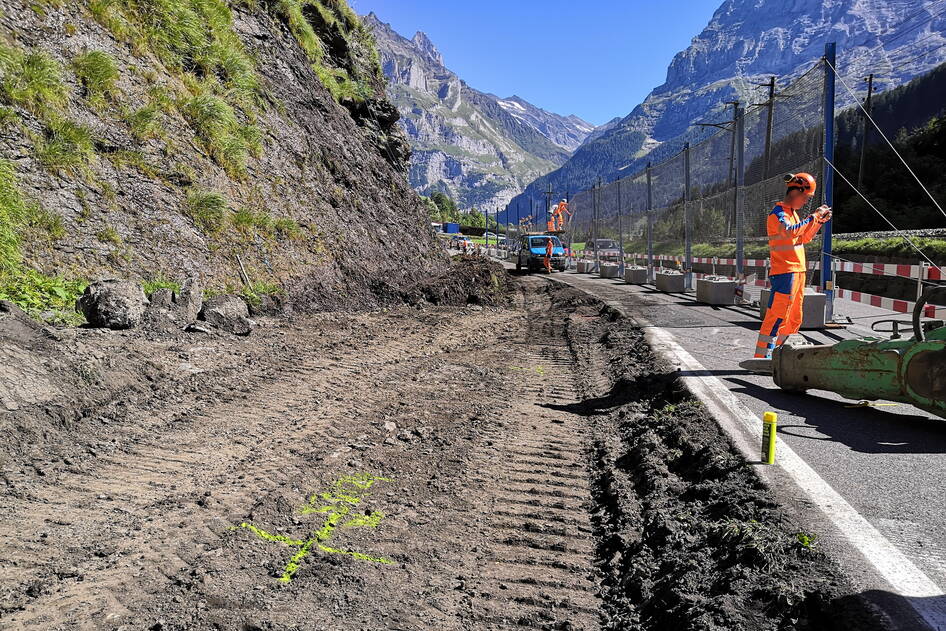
{"x":159,"y":141}
{"x":477,"y":147}
{"x":745,"y":43}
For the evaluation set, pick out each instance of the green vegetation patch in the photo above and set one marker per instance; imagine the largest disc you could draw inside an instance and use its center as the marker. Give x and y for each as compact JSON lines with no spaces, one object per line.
{"x":32,"y":80}
{"x":226,"y":139}
{"x":160,"y":282}
{"x":255,"y":291}
{"x":32,"y":291}
{"x":251,"y":223}
{"x":350,"y":66}
{"x":98,"y":72}
{"x":208,"y":209}
{"x":65,"y":146}
{"x":195,"y":39}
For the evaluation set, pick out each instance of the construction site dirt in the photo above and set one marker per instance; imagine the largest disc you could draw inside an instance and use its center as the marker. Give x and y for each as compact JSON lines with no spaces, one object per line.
{"x":529,"y":464}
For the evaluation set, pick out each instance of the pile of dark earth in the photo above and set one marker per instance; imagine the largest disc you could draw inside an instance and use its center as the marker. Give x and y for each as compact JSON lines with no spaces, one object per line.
{"x":416,"y":467}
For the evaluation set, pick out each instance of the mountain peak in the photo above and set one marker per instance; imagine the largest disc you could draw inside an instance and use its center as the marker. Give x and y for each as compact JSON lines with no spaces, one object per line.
{"x":427,"y":47}
{"x":475,"y":146}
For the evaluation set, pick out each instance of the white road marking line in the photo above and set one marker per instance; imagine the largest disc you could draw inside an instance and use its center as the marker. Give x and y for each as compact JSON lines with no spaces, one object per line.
{"x":745,"y":430}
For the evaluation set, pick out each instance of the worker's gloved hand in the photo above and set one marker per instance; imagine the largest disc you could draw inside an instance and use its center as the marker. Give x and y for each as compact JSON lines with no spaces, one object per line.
{"x":823,"y":214}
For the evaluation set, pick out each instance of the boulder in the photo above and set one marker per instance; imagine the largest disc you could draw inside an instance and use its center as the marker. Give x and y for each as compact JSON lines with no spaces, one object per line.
{"x":189,"y":299}
{"x":161,"y":299}
{"x":229,"y":313}
{"x":113,"y":304}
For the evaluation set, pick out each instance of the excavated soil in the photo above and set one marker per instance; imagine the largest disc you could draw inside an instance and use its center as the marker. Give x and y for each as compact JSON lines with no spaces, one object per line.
{"x":413,"y":468}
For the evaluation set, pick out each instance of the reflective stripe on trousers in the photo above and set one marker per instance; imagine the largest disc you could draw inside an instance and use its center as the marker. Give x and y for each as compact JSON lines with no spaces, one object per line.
{"x":784,"y":312}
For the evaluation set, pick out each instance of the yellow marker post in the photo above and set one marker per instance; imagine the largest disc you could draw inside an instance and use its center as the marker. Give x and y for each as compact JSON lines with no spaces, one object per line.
{"x":769,"y":420}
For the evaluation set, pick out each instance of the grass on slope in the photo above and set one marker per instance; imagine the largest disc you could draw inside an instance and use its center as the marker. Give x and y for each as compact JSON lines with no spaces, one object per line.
{"x":195,"y":39}
{"x":32,"y":291}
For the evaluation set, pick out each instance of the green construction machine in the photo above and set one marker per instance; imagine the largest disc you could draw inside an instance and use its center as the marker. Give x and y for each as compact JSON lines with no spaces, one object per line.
{"x":907,"y":370}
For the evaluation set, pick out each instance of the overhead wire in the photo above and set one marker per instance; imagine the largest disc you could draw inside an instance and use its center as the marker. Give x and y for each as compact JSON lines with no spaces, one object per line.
{"x":923,"y":54}
{"x":899,"y":232}
{"x":887,"y":140}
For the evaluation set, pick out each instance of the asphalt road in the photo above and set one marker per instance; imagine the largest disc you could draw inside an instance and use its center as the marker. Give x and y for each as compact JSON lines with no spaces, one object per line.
{"x":886,"y":460}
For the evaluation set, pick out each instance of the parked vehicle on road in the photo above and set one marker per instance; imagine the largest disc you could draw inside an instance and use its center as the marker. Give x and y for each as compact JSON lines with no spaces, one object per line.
{"x":532,"y":252}
{"x":608,"y":250}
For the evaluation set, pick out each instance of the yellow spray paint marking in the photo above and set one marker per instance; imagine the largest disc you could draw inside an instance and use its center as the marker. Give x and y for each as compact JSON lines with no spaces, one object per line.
{"x":337,"y":504}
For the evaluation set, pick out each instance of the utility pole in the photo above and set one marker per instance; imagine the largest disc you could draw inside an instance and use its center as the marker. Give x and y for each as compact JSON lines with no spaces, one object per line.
{"x":867,"y":106}
{"x":731,"y":127}
{"x":687,"y":238}
{"x":650,"y":227}
{"x":738,"y":192}
{"x":827,"y":259}
{"x":620,"y":227}
{"x":548,"y":203}
{"x":732,"y":145}
{"x":594,"y":226}
{"x":766,"y":160}
{"x":732,"y":160}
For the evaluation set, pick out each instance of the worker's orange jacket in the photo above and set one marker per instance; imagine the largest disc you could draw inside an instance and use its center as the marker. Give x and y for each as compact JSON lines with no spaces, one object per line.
{"x":548,"y":248}
{"x":787,"y":239}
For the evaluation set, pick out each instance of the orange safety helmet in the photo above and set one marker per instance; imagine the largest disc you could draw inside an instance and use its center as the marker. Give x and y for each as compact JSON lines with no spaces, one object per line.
{"x":804,"y":181}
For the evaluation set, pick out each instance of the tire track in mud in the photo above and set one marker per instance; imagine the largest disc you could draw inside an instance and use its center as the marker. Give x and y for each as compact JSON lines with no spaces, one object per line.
{"x":154,"y":492}
{"x":487,"y":511}
{"x":536,"y":571}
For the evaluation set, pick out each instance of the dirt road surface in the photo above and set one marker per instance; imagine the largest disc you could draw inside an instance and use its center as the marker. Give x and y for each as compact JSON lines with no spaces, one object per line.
{"x":528,"y":466}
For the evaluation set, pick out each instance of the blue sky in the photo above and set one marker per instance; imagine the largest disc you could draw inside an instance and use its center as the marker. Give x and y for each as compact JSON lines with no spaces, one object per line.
{"x":597,"y":59}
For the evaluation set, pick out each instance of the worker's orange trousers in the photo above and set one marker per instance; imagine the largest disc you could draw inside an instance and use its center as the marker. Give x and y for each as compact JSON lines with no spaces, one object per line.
{"x":547,"y":261}
{"x":784,"y":313}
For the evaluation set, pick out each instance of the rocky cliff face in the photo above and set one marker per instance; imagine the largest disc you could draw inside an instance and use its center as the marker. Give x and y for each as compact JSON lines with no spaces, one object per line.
{"x":745,"y":43}
{"x":183,"y":140}
{"x":477,"y":147}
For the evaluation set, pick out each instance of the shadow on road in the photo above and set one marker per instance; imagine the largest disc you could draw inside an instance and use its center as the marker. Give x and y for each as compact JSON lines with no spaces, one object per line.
{"x":863,"y":429}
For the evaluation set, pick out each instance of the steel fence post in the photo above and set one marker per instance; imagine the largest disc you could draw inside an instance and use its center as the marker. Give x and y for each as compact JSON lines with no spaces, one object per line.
{"x":827,"y":279}
{"x":739,"y":192}
{"x":687,"y":243}
{"x":650,"y":227}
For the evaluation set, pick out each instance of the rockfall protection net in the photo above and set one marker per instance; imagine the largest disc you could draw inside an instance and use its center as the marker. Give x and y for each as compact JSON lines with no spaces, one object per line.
{"x":717,"y":210}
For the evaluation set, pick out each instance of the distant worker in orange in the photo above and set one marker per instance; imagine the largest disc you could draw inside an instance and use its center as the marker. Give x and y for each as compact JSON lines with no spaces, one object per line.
{"x":548,"y":255}
{"x":550,"y":222}
{"x":787,"y":238}
{"x":561,"y":209}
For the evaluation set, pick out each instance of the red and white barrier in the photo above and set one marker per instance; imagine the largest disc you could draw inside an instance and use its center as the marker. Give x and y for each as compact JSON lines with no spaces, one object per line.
{"x":925,"y":272}
{"x":900,"y":306}
{"x":919,"y":273}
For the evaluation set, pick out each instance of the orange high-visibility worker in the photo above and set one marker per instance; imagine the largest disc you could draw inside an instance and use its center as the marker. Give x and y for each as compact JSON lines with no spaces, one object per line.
{"x":787,"y":238}
{"x":548,"y":255}
{"x":561,"y":209}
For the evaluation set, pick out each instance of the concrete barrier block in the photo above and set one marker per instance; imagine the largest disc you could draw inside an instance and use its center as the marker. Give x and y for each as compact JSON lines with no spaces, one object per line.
{"x":635,"y":275}
{"x":610,"y":270}
{"x":670,"y":282}
{"x":716,"y":291}
{"x":812,"y":308}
